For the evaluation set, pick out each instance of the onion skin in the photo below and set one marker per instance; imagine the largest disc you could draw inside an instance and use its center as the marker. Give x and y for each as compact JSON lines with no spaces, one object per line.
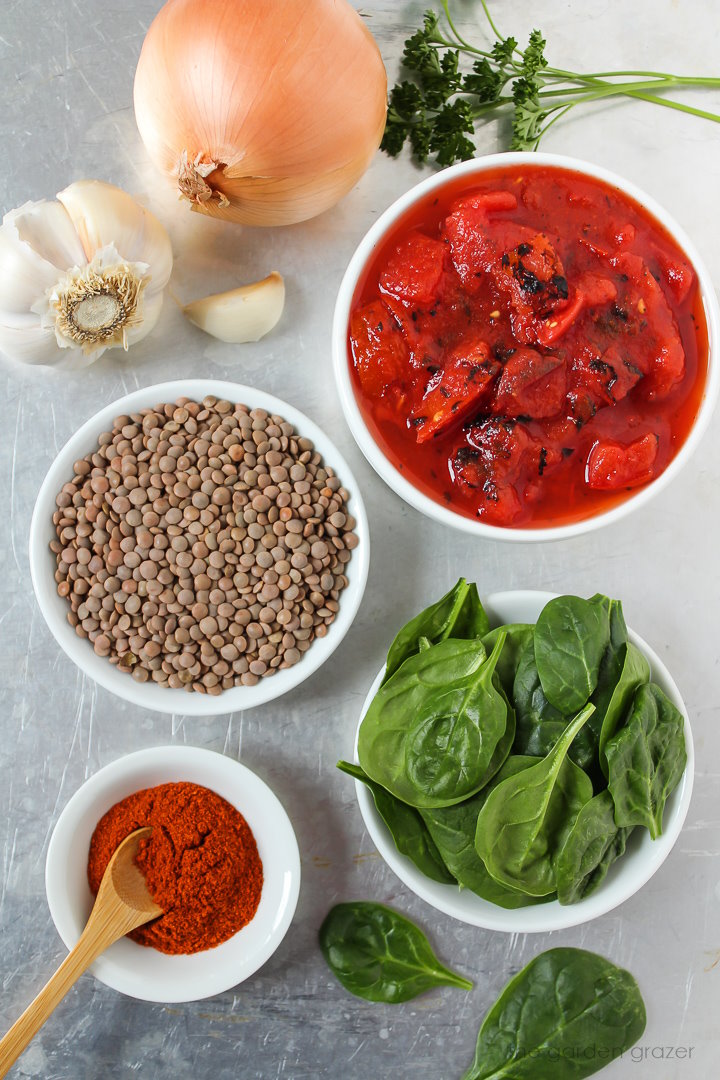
{"x":286,"y":97}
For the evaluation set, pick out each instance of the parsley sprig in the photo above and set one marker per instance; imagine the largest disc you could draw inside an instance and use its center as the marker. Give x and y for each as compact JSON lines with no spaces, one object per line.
{"x":454,"y":86}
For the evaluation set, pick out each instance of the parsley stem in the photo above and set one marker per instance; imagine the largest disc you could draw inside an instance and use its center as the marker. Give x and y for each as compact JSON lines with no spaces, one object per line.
{"x":668,"y":103}
{"x":489,"y":17}
{"x":456,"y":32}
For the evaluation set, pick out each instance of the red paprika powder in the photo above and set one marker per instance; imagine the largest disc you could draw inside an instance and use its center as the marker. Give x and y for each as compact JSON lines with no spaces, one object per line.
{"x":200,"y":862}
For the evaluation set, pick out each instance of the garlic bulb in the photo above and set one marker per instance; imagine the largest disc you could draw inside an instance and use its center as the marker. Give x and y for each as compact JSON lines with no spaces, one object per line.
{"x":80,"y":275}
{"x":240,"y":315}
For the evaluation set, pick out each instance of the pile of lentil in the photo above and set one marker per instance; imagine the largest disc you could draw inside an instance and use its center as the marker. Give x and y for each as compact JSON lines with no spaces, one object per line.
{"x":202,"y":545}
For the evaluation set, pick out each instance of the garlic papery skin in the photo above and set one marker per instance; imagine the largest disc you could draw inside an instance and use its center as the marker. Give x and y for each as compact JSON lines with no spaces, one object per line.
{"x":80,"y":275}
{"x":241,"y":315}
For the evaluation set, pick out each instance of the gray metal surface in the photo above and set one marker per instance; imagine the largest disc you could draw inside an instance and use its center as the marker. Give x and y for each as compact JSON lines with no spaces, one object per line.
{"x":66,"y":70}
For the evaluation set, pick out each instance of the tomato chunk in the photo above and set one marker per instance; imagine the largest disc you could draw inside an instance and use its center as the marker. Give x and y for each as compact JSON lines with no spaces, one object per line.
{"x":379,"y":352}
{"x":501,"y":462}
{"x":531,"y":385}
{"x":647,"y":321}
{"x":610,"y":465}
{"x":454,"y":389}
{"x":609,"y":377}
{"x":414,"y":269}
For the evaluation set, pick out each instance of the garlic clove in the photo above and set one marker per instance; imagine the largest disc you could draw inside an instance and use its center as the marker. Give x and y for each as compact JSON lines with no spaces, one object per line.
{"x":26,"y":341}
{"x":24,"y":275}
{"x":47,"y":228}
{"x":104,"y":214}
{"x":240,"y":315}
{"x":151,"y":307}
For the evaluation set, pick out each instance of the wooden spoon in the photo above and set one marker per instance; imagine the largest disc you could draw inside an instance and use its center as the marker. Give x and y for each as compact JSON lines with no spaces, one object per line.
{"x":122,"y":903}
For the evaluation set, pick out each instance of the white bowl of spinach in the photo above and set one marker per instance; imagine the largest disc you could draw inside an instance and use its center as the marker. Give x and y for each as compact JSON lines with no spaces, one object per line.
{"x":524,"y":765}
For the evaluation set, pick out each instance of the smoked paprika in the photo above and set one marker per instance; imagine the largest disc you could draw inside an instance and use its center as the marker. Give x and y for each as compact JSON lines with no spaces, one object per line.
{"x":200,"y":862}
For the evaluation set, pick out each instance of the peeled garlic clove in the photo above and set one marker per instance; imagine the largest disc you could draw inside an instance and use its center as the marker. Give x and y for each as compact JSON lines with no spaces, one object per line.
{"x":244,"y":314}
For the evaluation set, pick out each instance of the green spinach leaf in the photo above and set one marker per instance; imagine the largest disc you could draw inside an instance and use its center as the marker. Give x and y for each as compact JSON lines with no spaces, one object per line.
{"x":453,"y":830}
{"x":646,"y":759}
{"x":525,"y":821}
{"x":406,"y":826}
{"x":458,"y":614}
{"x":554,"y":1016}
{"x":516,"y":637}
{"x":634,"y":673}
{"x":593,"y":845}
{"x":571,"y":636}
{"x":539,"y":724}
{"x":430,"y":732}
{"x":379,"y":955}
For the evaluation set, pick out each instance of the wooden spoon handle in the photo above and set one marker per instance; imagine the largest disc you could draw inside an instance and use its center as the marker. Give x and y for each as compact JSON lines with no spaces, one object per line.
{"x":104,"y":926}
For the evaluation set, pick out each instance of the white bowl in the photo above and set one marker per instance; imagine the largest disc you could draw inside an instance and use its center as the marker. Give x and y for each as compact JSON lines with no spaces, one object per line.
{"x":364,"y":437}
{"x":55,"y":609}
{"x":643,"y":857}
{"x":144,"y":972}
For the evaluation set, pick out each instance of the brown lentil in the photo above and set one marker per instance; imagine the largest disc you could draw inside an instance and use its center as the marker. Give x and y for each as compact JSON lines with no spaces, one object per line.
{"x":202,"y":545}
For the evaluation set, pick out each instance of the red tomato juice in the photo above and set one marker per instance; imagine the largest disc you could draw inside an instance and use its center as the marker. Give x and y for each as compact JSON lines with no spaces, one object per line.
{"x":529,"y":347}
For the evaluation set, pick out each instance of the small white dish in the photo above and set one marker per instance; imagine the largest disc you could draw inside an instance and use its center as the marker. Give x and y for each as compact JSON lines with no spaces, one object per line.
{"x":374,"y":239}
{"x":138,"y":970}
{"x":643,"y":857}
{"x":55,"y":609}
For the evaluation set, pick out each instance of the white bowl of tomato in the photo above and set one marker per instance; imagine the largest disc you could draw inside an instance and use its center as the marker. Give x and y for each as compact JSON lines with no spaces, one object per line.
{"x":524,"y":347}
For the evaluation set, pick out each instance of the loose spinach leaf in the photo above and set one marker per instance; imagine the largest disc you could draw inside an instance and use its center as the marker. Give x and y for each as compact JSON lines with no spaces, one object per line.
{"x":430,"y":732}
{"x":554,"y":1016}
{"x":539,"y":724}
{"x":516,"y":637}
{"x":458,"y":614}
{"x":379,"y":955}
{"x":634,"y":673}
{"x":593,"y":845}
{"x":646,"y":759}
{"x":407,"y":828}
{"x":571,"y":635}
{"x":525,"y":821}
{"x":453,"y":830}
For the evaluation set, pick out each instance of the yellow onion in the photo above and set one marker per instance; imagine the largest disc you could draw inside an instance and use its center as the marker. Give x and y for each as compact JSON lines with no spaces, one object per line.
{"x":262,"y":111}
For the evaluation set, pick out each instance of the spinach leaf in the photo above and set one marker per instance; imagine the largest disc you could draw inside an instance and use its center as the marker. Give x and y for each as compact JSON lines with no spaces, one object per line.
{"x":458,"y":614}
{"x":593,"y":845}
{"x":539,"y":724}
{"x":406,"y":827}
{"x":453,"y":830}
{"x":571,"y":635}
{"x":555,"y":1015}
{"x":646,"y":759}
{"x":516,"y":637}
{"x":504,"y":746}
{"x":634,"y":673}
{"x":525,"y":821}
{"x":430,"y":732}
{"x":379,"y":955}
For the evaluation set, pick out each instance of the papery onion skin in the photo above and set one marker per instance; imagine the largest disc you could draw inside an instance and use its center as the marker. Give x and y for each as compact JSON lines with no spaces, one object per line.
{"x":286,"y":97}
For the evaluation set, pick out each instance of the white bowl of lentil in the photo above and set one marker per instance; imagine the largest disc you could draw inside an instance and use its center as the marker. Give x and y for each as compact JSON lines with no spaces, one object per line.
{"x":348,"y":561}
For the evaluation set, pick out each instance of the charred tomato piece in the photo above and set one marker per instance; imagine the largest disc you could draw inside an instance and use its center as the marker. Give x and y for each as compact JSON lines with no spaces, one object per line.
{"x":531,"y":384}
{"x":468,"y":231}
{"x":643,"y":318}
{"x":611,"y":465}
{"x":414,"y":269}
{"x":502,"y":463}
{"x":454,"y":389}
{"x":609,"y":377}
{"x":379,"y":352}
